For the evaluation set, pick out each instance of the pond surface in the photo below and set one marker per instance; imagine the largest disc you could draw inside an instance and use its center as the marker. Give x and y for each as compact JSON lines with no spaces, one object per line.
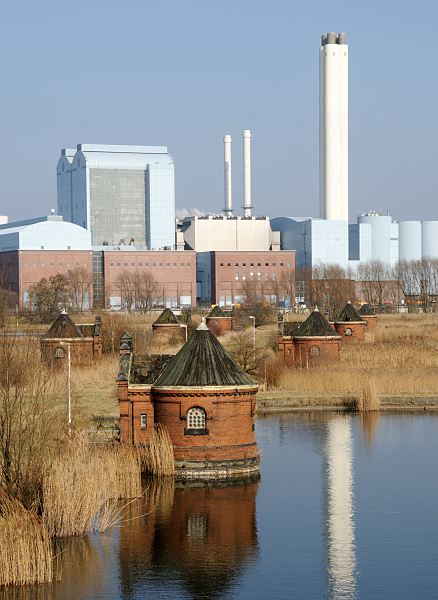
{"x":346,"y":507}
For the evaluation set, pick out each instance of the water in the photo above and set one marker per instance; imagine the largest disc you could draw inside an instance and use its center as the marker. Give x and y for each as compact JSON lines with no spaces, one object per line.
{"x":346,"y":508}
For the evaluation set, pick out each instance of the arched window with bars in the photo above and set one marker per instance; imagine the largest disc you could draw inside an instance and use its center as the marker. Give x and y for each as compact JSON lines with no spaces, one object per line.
{"x":196,"y":421}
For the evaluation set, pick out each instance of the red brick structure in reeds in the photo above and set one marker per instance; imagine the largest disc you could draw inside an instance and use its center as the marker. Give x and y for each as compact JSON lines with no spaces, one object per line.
{"x":218,"y":322}
{"x":167,"y":326}
{"x":308,"y":343}
{"x":350,"y":325}
{"x":367,"y":313}
{"x":205,"y":401}
{"x":84,"y":341}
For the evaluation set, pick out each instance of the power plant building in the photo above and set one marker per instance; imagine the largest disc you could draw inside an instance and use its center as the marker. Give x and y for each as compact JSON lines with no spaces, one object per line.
{"x":121,"y":194}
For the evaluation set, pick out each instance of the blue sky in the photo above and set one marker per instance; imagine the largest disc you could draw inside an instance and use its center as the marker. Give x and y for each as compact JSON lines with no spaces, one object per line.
{"x":183,"y":74}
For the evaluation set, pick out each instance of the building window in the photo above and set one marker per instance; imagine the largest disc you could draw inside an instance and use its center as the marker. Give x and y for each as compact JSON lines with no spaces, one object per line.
{"x":348,"y":331}
{"x":314,"y":351}
{"x":59,"y":352}
{"x":196,"y":419}
{"x":236,"y":276}
{"x":143,"y":421}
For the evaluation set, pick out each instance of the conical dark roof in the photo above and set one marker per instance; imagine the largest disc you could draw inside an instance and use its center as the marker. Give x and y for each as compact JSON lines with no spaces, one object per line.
{"x":315,"y":326}
{"x":348,"y":314}
{"x":366,"y":310}
{"x":166,"y":318}
{"x":202,"y":361}
{"x":216,"y":311}
{"x":63,"y":327}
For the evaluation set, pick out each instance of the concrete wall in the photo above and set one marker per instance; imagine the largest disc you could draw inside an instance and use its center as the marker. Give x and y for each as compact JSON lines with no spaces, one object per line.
{"x":205,"y":234}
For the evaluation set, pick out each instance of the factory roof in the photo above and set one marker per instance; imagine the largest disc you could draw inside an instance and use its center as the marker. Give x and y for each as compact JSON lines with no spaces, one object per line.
{"x":166,"y":318}
{"x":348,"y":315}
{"x":315,"y":325}
{"x":63,"y":327}
{"x":203,"y":361}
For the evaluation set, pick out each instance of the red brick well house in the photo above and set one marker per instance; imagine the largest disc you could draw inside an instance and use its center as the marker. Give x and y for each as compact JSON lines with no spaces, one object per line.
{"x":349,"y":324}
{"x":218,"y":322}
{"x":311,"y":342}
{"x":367,"y":313}
{"x":206,"y":402}
{"x":167,"y":326}
{"x":84,"y":341}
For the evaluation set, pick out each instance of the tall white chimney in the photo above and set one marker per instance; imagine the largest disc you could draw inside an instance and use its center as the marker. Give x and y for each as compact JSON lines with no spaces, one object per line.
{"x":247,"y":206}
{"x":333,"y":127}
{"x":228,"y":206}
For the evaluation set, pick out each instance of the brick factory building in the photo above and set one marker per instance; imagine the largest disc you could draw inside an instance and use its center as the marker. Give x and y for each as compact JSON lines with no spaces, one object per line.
{"x":222,"y":275}
{"x":310,"y":342}
{"x":83,"y":341}
{"x":349,"y":324}
{"x":205,"y":401}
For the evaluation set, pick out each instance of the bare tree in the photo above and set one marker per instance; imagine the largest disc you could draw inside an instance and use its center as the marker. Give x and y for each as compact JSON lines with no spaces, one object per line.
{"x":48,"y":296}
{"x":79,"y":288}
{"x":330,"y":288}
{"x":375,"y":277}
{"x":138,"y":290}
{"x":254,"y":302}
{"x":287,"y":285}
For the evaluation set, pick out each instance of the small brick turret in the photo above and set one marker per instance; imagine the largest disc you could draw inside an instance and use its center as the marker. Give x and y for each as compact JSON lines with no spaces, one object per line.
{"x":167,"y":326}
{"x":367,"y":313}
{"x":218,"y":322}
{"x":349,"y":325}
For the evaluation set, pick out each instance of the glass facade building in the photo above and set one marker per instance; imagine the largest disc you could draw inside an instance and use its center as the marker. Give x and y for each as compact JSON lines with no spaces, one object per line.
{"x":124,"y":195}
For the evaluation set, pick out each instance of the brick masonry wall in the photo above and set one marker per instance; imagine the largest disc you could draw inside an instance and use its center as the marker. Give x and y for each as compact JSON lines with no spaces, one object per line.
{"x":371,"y":321}
{"x":230,"y":423}
{"x":82,"y":350}
{"x":357,"y":331}
{"x":219,"y":325}
{"x":328,"y":351}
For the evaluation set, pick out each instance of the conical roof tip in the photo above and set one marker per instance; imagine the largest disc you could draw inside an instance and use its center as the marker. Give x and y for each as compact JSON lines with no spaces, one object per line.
{"x":202,"y":326}
{"x":315,"y":325}
{"x":166,"y":318}
{"x":203,"y":361}
{"x":63,"y":327}
{"x":348,"y":314}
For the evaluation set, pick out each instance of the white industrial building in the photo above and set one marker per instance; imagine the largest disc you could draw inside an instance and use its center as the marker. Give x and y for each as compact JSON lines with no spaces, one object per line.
{"x":121,"y":194}
{"x":43,"y":233}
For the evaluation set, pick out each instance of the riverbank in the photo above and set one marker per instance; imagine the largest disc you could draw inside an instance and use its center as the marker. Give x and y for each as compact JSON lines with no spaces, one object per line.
{"x":281,"y":401}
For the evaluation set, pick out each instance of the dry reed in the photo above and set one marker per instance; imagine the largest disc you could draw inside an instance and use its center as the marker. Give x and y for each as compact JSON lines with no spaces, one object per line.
{"x":158,"y":457}
{"x":82,"y":486}
{"x":25,"y":548}
{"x":367,"y":399}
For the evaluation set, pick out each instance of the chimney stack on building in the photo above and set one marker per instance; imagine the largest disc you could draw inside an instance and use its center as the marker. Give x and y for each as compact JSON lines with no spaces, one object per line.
{"x":247,"y":205}
{"x":228,"y":207}
{"x":333,"y":127}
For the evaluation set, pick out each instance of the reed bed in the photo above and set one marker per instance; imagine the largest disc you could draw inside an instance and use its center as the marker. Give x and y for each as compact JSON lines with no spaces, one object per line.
{"x":83,"y":484}
{"x":367,"y":399}
{"x":25,"y":548}
{"x":158,"y":459}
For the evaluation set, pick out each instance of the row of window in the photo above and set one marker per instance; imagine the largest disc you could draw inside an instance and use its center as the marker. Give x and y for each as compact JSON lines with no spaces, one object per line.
{"x":59,"y":264}
{"x":242,"y":276}
{"x":140,"y":264}
{"x":274,"y":264}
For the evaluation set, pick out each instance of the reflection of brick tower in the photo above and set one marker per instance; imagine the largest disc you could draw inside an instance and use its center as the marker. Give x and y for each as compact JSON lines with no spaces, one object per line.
{"x":205,"y":538}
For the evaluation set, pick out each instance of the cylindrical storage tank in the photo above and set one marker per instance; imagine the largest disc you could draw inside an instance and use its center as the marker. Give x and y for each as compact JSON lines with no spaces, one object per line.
{"x":409,"y":244}
{"x":429,"y":238}
{"x":380,"y":236}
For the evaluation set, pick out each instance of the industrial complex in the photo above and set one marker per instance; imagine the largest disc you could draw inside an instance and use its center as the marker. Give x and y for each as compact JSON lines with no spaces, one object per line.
{"x":116,"y":219}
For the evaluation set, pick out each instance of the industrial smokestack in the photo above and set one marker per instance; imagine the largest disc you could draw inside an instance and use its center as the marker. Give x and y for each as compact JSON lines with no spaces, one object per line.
{"x":333,"y":127}
{"x":228,"y":206}
{"x":247,"y":206}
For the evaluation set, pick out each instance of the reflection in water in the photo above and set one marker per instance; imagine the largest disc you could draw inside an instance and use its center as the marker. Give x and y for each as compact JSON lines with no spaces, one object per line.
{"x":201,"y":540}
{"x":368,"y":423}
{"x":341,"y":557}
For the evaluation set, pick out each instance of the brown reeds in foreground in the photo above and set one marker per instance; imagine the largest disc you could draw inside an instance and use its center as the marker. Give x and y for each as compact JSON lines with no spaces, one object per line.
{"x":82,"y":486}
{"x":25,"y":546}
{"x":158,"y":457}
{"x":367,"y":399}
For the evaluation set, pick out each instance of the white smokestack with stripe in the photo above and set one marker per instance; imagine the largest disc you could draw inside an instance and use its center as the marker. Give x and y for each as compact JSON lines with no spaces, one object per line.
{"x":247,"y":205}
{"x":228,"y":206}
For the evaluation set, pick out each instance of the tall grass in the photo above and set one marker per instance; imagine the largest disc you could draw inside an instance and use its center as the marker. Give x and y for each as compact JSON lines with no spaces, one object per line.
{"x":158,"y":458}
{"x":367,"y":399}
{"x":25,"y":545}
{"x":83,"y":484}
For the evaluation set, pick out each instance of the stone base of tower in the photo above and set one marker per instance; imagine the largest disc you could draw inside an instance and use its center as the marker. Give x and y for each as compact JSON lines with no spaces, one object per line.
{"x":191,"y":470}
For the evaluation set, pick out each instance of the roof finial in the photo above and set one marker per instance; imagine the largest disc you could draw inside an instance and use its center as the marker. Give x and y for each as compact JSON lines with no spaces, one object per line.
{"x":63,"y":311}
{"x":202,"y":326}
{"x":316,"y":309}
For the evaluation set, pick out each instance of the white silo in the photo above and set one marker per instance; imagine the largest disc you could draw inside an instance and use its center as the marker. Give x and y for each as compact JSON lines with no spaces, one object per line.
{"x":380,"y":235}
{"x":409,"y":240}
{"x":333,"y":127}
{"x":429,"y":239}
